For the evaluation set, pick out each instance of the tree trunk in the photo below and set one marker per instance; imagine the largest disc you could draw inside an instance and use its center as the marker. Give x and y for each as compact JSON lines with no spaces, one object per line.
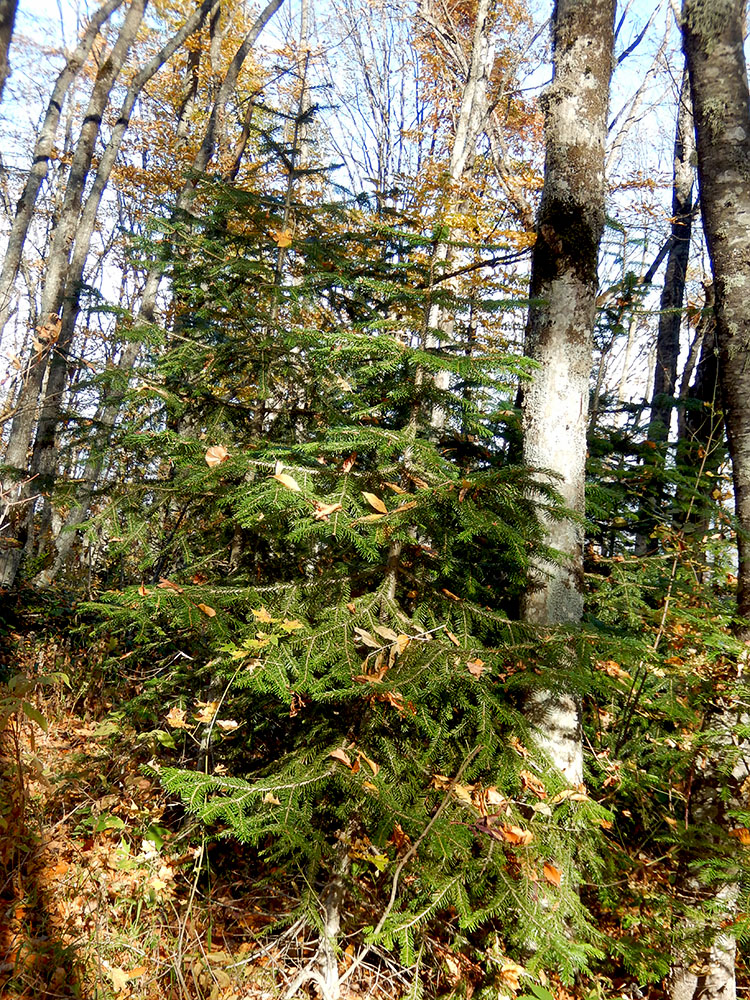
{"x":41,"y":156}
{"x":713,"y":32}
{"x":23,"y":424}
{"x":670,"y":316}
{"x":564,"y":284}
{"x":43,"y":455}
{"x":44,"y":449}
{"x":7,"y":20}
{"x":713,"y":35}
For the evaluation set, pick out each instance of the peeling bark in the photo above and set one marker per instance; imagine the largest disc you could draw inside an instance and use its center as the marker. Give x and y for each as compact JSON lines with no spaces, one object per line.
{"x":564,"y":284}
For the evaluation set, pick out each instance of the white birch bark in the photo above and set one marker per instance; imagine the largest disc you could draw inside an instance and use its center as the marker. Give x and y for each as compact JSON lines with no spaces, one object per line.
{"x":41,"y":156}
{"x":713,"y":41}
{"x":564,"y":285}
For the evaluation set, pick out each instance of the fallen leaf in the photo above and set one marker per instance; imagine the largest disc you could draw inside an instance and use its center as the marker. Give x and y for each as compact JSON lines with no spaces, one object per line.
{"x":351,"y":607}
{"x":450,"y":594}
{"x":395,"y":487}
{"x":208,"y":710}
{"x":227,"y":725}
{"x":289,"y":481}
{"x":374,"y":767}
{"x":511,"y":973}
{"x":298,"y":703}
{"x":142,"y":590}
{"x":516,"y":835}
{"x":402,"y":641}
{"x":324,"y":510}
{"x":387,"y":633}
{"x":476,"y":667}
{"x":452,"y":637}
{"x":207,"y":611}
{"x":552,"y":874}
{"x":742,"y":834}
{"x":165,"y":584}
{"x":215,"y":455}
{"x":176,"y":718}
{"x":348,"y":464}
{"x":367,"y":639}
{"x":533,"y":784}
{"x":343,"y":756}
{"x":270,"y":799}
{"x":262,"y":615}
{"x":404,"y":506}
{"x":375,"y":502}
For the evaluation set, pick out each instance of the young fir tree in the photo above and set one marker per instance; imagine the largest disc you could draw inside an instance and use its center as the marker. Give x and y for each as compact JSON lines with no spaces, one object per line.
{"x":340,"y":579}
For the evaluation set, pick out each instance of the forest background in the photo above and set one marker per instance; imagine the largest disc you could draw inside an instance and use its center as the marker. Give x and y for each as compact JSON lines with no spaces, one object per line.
{"x":374,"y":499}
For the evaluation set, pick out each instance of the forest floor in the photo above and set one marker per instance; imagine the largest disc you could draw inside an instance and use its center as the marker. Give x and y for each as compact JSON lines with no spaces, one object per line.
{"x":104,"y":894}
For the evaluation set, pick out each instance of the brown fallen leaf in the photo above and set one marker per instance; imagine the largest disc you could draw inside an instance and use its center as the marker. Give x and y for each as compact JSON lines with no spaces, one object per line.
{"x":165,"y":584}
{"x":375,"y":502}
{"x":324,"y":510}
{"x":207,"y":611}
{"x":343,"y":756}
{"x":476,"y":667}
{"x":533,"y":784}
{"x":516,"y":835}
{"x":215,"y":455}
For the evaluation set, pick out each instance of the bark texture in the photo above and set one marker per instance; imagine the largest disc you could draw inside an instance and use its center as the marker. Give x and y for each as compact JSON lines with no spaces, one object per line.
{"x":41,"y":156}
{"x":561,"y":321}
{"x":713,"y":35}
{"x":8,"y":10}
{"x":713,"y":42}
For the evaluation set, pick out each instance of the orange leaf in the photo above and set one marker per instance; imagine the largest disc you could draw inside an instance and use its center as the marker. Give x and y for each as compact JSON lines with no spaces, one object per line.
{"x":324,"y":510}
{"x":516,"y":835}
{"x":142,"y":590}
{"x":552,"y":874}
{"x":165,"y":584}
{"x":476,"y":667}
{"x":349,"y":462}
{"x":207,"y":611}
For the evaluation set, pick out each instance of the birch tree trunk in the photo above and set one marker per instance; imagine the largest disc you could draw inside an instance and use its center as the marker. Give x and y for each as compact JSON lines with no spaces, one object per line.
{"x":44,"y":448}
{"x":44,"y":453}
{"x":713,"y":35}
{"x":41,"y":156}
{"x":564,"y":284}
{"x":24,"y":421}
{"x":713,"y":38}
